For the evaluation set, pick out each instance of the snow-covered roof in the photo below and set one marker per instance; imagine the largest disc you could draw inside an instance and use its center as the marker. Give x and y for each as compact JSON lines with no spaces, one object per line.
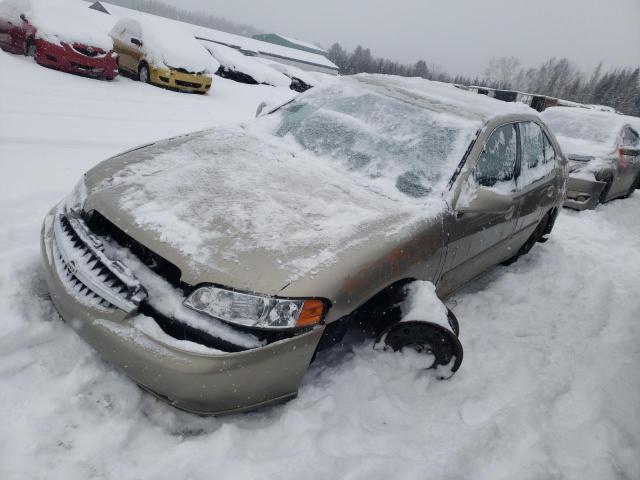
{"x":280,"y":39}
{"x":443,"y":97}
{"x":233,"y":40}
{"x":59,"y":21}
{"x":301,"y":43}
{"x":166,"y":43}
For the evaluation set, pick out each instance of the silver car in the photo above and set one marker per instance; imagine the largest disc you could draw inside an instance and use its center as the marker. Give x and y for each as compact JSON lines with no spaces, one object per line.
{"x":604,"y":154}
{"x":212,"y":266}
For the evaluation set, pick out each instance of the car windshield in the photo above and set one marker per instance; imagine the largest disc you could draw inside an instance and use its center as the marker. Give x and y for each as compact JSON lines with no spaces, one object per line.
{"x":382,"y":137}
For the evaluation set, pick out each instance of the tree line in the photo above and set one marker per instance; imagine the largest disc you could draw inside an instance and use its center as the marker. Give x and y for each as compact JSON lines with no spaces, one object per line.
{"x":557,"y":77}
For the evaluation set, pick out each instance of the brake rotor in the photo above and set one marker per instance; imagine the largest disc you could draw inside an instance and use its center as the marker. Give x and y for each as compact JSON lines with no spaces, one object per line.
{"x":427,"y":338}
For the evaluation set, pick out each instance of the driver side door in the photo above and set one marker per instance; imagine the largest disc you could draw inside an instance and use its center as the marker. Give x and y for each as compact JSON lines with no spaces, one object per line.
{"x":479,"y":240}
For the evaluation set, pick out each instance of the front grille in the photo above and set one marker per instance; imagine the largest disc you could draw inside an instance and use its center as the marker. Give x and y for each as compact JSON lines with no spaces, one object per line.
{"x":86,"y":68}
{"x":102,"y":227}
{"x":86,"y":271}
{"x":182,"y":83}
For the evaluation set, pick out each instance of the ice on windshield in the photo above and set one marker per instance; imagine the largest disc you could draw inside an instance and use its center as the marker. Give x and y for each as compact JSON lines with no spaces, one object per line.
{"x":388,"y":139}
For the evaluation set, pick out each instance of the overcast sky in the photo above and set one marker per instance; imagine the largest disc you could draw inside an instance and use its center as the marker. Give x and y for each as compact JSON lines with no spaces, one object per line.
{"x":459,"y":35}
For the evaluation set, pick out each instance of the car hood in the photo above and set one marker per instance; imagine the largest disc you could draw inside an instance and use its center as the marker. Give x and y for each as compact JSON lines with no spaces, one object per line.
{"x":240,"y":207}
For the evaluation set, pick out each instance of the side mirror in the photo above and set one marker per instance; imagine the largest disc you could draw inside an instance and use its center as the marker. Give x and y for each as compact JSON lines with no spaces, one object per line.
{"x":486,"y":200}
{"x":137,"y":42}
{"x":260,"y":108}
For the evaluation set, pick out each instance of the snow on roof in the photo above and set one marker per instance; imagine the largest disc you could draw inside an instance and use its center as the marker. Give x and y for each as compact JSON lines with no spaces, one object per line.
{"x":301,"y":43}
{"x":166,"y":43}
{"x":584,"y":130}
{"x":234,"y":60}
{"x":60,"y":21}
{"x":233,"y":40}
{"x":443,"y":97}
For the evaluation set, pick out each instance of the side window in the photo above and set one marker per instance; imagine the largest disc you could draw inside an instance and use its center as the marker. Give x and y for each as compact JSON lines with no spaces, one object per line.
{"x":498,"y":159}
{"x":630,"y":137}
{"x":532,"y":145}
{"x":549,"y":151}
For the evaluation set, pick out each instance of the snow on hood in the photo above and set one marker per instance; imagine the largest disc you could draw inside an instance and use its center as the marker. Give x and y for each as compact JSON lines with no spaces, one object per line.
{"x":235,"y":60}
{"x":582,"y":131}
{"x":65,"y":21}
{"x":219,"y":197}
{"x":166,"y":43}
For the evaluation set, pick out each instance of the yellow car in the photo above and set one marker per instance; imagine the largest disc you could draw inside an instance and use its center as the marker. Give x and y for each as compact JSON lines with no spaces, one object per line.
{"x":161,"y":53}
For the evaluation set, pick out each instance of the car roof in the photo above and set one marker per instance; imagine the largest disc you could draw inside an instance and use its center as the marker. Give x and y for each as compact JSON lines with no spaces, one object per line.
{"x":442,"y":97}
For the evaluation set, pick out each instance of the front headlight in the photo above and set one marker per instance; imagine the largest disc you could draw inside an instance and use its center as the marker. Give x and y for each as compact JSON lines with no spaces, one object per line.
{"x":255,"y":310}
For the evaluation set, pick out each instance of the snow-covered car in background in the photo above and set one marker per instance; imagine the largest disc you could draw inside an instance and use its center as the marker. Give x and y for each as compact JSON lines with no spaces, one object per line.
{"x":236,"y":66}
{"x":301,"y":81}
{"x":163,"y":54}
{"x":604,"y":154}
{"x":58,"y":34}
{"x":212,"y":266}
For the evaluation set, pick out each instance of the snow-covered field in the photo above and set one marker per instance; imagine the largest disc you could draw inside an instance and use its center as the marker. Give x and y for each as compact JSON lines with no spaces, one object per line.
{"x":549,"y":388}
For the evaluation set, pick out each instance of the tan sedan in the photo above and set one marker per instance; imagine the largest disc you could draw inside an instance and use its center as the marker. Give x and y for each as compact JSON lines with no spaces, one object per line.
{"x":211,"y":267}
{"x":604,"y":154}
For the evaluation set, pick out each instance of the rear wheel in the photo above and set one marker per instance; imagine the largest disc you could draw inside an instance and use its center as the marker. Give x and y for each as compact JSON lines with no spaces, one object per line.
{"x":439,"y":344}
{"x":143,"y":73}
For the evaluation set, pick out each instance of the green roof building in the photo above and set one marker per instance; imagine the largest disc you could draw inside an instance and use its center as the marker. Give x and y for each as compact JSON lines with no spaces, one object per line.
{"x":278,"y":39}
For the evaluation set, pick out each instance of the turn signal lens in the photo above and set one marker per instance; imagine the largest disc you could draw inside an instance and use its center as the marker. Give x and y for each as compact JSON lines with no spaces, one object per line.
{"x":311,"y":314}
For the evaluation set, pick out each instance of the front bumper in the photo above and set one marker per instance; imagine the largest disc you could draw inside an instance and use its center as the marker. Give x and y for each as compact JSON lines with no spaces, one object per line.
{"x":184,"y":82}
{"x":64,"y":57}
{"x":197,"y":382}
{"x":582,"y":193}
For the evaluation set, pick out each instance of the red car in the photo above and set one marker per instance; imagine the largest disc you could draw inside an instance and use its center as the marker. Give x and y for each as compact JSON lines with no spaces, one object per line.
{"x":59,"y":35}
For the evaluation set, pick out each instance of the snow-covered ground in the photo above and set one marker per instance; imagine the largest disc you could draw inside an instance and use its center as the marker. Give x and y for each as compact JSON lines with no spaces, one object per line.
{"x":549,"y":387}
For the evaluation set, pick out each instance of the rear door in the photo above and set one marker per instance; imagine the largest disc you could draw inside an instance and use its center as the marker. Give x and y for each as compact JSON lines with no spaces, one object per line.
{"x":538,"y":181}
{"x":476,"y":241}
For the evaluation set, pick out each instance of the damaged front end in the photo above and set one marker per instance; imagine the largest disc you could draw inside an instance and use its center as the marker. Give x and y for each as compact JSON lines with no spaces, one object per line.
{"x":128,"y":303}
{"x":583,"y":193}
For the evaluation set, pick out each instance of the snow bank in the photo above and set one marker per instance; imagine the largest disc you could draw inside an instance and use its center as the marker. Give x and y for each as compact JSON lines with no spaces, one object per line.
{"x":232,"y":59}
{"x":166,"y":43}
{"x":60,"y":21}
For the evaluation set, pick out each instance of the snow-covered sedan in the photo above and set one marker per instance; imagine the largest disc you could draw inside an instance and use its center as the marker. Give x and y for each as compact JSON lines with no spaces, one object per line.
{"x":604,"y":152}
{"x":238,"y":67}
{"x":58,"y":34}
{"x":212,"y":266}
{"x":163,"y":54}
